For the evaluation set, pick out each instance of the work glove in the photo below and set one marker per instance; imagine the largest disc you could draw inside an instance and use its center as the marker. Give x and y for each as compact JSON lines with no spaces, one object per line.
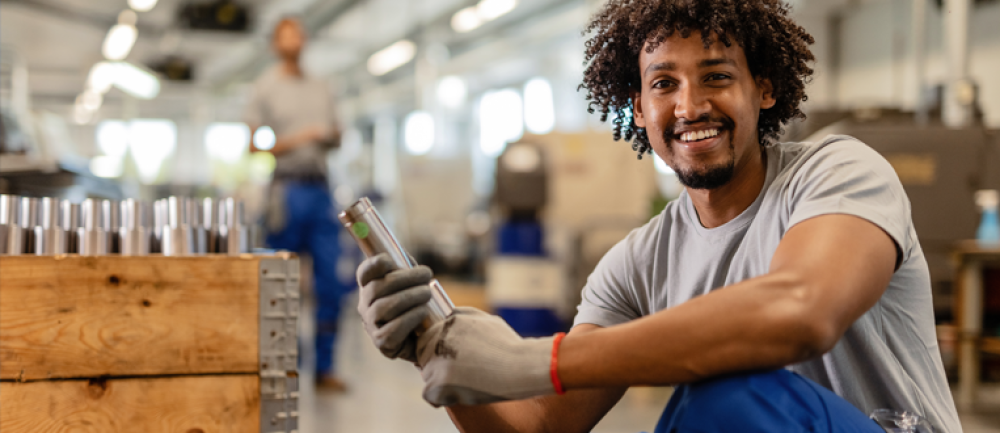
{"x":475,"y":358}
{"x":392,"y":303}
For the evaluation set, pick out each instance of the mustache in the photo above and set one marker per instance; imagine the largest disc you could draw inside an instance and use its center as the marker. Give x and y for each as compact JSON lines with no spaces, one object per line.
{"x":670,"y":130}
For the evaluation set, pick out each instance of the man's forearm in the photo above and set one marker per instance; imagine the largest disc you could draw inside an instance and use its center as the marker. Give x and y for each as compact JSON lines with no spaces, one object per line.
{"x":756,"y":324}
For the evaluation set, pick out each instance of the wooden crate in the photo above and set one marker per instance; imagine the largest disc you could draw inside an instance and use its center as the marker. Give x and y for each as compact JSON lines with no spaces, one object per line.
{"x":148,"y":344}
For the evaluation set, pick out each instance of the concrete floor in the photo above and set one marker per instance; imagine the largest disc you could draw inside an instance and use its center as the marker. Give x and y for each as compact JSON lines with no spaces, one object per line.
{"x":384,"y":396}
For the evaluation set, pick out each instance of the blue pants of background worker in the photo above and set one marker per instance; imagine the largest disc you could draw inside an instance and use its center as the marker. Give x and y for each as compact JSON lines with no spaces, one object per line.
{"x":306,"y":225}
{"x":775,"y":401}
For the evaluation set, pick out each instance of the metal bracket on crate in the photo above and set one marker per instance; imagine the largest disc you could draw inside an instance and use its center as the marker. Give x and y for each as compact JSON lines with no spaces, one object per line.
{"x":278,"y":346}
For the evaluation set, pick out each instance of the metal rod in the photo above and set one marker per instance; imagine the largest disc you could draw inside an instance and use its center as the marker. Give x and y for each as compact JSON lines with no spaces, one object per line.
{"x":365,"y":224}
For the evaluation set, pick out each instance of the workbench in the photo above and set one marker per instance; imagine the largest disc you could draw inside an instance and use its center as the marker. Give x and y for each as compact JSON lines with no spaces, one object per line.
{"x":970,"y":258}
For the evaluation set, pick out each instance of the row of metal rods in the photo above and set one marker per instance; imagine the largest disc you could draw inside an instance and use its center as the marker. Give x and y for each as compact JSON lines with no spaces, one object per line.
{"x":174,"y":226}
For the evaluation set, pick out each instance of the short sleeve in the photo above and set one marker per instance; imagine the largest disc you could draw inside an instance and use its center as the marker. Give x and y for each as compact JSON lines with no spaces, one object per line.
{"x":845,"y":176}
{"x":253,"y":113}
{"x":608,"y":297}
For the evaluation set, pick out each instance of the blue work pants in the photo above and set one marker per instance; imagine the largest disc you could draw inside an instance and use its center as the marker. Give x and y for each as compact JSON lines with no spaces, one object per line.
{"x":309,"y":227}
{"x":775,"y":401}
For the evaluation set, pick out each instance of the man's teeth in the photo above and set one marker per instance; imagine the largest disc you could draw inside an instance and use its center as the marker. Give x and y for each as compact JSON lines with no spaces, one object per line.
{"x":699,"y":135}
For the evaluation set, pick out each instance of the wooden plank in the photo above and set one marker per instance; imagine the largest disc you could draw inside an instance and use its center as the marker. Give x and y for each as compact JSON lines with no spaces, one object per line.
{"x":183,"y":404}
{"x":72,"y":316}
{"x":990,"y":345}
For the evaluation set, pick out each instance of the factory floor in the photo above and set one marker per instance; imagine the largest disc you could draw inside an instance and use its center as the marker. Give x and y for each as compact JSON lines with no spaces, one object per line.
{"x":384,"y":395}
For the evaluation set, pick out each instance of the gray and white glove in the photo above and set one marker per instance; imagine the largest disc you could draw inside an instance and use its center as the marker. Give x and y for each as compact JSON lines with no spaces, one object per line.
{"x":392,"y":303}
{"x":475,"y":358}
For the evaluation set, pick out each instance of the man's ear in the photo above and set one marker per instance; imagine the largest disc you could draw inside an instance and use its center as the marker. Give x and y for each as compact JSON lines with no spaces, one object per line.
{"x":637,"y":116}
{"x":767,"y":99}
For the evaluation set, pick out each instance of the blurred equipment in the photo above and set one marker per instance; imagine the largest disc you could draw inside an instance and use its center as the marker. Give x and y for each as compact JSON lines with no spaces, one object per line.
{"x":522,"y":283}
{"x":221,"y":15}
{"x":92,"y":233}
{"x":50,"y":239}
{"x":940,"y":169}
{"x":366,"y":226}
{"x":988,"y":201}
{"x":10,"y":231}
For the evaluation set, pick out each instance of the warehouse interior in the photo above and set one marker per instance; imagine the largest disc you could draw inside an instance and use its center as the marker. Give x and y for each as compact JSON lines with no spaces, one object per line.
{"x":127,"y":128}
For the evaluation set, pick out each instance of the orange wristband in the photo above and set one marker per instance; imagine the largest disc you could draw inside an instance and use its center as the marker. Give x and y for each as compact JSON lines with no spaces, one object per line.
{"x":554,"y":365}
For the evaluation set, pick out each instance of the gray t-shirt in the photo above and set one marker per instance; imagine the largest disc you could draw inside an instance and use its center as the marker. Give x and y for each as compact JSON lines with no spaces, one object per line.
{"x":288,"y":105}
{"x":889,"y":358}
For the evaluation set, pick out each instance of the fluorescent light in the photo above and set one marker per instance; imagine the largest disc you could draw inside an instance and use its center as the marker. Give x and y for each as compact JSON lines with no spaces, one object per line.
{"x":264,"y":138}
{"x":418,"y":132}
{"x":466,"y":20}
{"x":119,"y":41}
{"x":151,"y":142}
{"x":227,"y":141}
{"x":539,"y":111}
{"x":112,"y":137}
{"x":89,"y":100}
{"x":82,"y":116}
{"x":135,"y":81}
{"x":102,"y":75}
{"x":501,"y":120}
{"x":391,"y":57}
{"x":142,"y":5}
{"x":451,"y":91}
{"x":106,"y":166}
{"x":490,"y":10}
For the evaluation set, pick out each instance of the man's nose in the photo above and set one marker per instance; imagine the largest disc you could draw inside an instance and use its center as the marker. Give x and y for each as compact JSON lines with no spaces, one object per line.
{"x":691,"y":103}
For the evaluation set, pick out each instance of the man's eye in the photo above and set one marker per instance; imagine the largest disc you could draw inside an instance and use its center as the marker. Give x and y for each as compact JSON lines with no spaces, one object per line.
{"x":716,"y":77}
{"x":662,"y":84}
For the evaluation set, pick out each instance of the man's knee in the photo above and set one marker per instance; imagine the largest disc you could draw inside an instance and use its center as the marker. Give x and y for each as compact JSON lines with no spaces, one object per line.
{"x":761,"y":402}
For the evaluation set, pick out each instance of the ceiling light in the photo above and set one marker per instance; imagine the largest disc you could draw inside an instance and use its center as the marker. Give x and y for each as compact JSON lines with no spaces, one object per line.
{"x":142,"y":5}
{"x":136,"y":81}
{"x":466,"y":20}
{"x":418,"y":132}
{"x":102,"y":75}
{"x":539,"y":112}
{"x":89,"y":100}
{"x":119,"y":41}
{"x":391,"y":57}
{"x":490,"y":10}
{"x":451,"y":91}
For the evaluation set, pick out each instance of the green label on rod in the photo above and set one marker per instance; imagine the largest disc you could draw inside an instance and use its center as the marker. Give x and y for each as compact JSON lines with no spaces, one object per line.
{"x":360,"y":229}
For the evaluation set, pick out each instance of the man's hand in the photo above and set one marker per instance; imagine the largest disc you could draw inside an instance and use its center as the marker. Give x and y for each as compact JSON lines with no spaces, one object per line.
{"x":392,"y":304}
{"x":475,"y":358}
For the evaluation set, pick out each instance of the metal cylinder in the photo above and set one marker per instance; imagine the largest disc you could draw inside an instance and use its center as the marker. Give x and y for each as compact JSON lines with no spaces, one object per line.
{"x":210,"y":223}
{"x":111,"y":220}
{"x":373,"y":237}
{"x":177,"y":237}
{"x":93,"y":237}
{"x":27,"y":222}
{"x":11,"y":235}
{"x":133,"y":236}
{"x":69,"y":220}
{"x":159,"y":220}
{"x":237,"y":234}
{"x":50,"y":239}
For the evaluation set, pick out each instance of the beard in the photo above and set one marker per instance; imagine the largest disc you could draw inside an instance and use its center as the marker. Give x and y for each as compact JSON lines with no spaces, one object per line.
{"x":706,"y":177}
{"x":709,"y":177}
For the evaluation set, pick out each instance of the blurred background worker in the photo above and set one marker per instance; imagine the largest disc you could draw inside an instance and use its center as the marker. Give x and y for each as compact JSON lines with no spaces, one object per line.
{"x":299,"y":215}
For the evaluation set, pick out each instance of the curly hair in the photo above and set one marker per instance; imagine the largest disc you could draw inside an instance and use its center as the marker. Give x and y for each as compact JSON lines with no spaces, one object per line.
{"x":776,"y":49}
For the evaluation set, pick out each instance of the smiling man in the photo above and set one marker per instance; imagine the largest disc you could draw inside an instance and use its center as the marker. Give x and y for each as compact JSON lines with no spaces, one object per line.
{"x":784,"y":290}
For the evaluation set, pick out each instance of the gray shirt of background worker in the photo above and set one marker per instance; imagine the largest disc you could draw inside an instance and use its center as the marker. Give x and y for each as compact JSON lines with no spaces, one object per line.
{"x":297,"y":108}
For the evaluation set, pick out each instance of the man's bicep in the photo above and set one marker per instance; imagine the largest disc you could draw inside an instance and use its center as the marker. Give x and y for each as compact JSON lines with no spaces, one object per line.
{"x":842,"y":263}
